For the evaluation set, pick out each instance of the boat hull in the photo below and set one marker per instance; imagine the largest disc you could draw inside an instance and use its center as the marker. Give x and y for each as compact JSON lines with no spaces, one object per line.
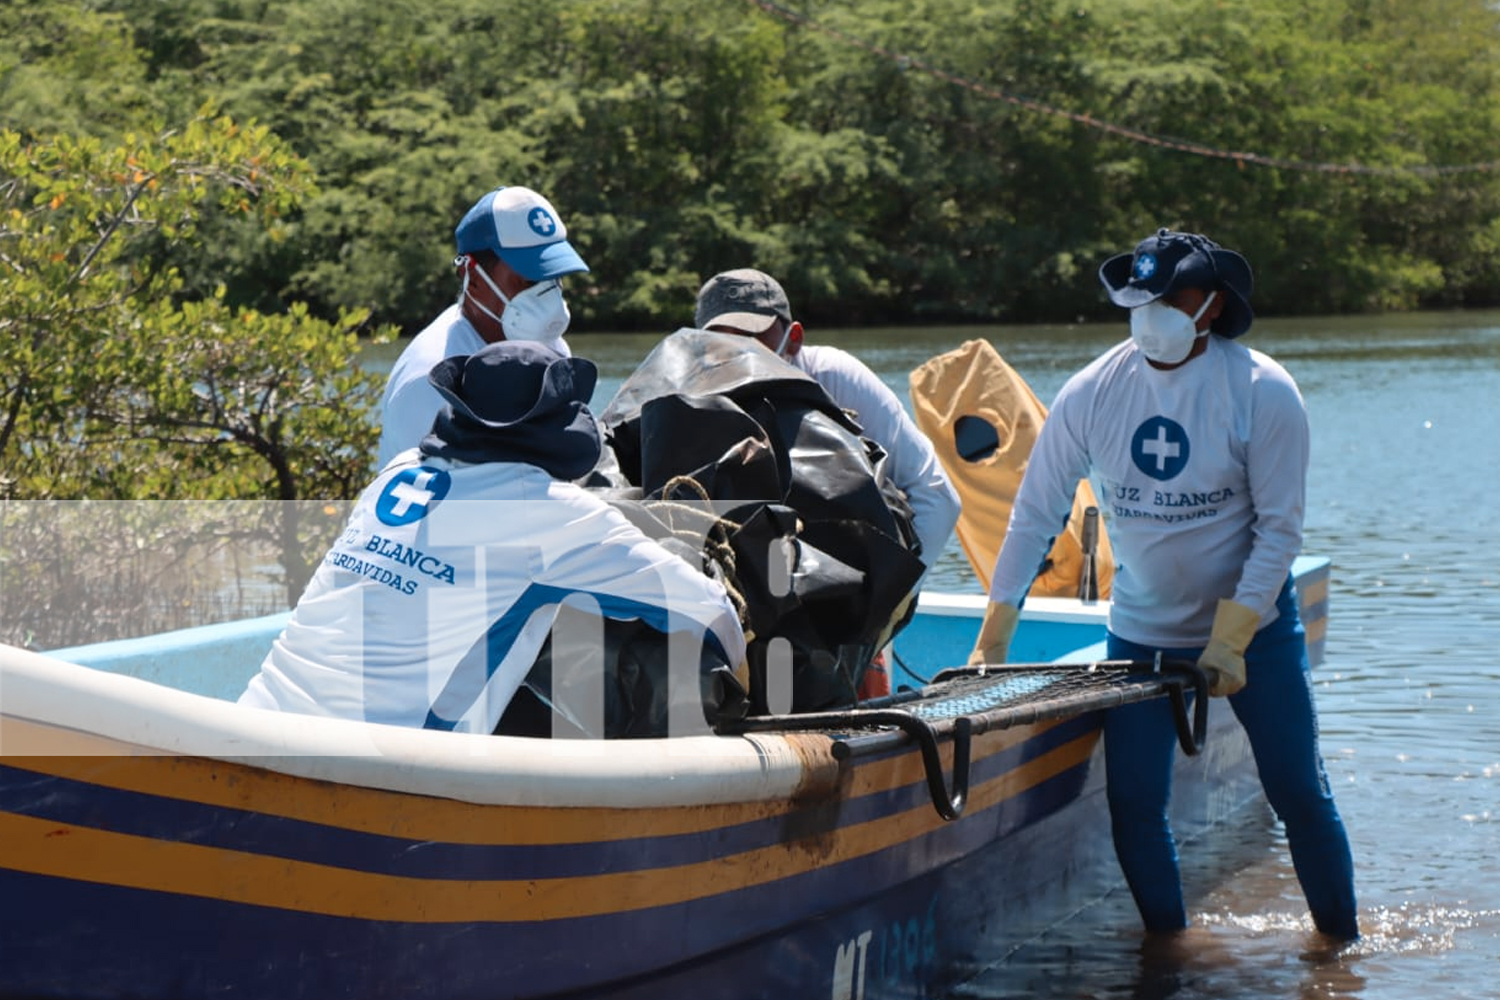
{"x":160,"y":843}
{"x":190,"y":877}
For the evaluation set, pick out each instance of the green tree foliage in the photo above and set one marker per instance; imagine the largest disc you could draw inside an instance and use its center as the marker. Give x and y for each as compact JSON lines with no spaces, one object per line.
{"x":386,"y":100}
{"x":892,"y":160}
{"x":55,"y":58}
{"x":112,"y":384}
{"x":1373,"y":94}
{"x":662,"y":131}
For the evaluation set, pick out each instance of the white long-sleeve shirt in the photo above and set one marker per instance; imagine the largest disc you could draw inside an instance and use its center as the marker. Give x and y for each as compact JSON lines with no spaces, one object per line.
{"x":431,"y":607}
{"x":914,"y":465}
{"x":410,"y":403}
{"x":1203,"y":472}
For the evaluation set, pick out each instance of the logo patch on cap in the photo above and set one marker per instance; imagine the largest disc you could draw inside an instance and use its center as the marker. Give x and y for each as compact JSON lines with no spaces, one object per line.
{"x":524,"y":229}
{"x":541,"y":222}
{"x":1145,"y":266}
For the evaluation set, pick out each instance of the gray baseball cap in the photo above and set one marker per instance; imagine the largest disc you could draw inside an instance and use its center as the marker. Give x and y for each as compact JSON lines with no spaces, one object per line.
{"x":745,"y":299}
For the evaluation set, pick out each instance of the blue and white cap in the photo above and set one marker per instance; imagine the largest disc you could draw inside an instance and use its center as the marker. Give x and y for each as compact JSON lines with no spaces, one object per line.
{"x":525,"y":231}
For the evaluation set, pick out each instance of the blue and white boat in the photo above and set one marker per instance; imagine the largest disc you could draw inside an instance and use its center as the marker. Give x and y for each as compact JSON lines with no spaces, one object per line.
{"x":158,"y":840}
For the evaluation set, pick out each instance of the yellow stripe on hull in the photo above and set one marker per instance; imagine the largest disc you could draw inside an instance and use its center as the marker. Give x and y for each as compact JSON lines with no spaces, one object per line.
{"x":91,"y":759}
{"x":80,"y":853}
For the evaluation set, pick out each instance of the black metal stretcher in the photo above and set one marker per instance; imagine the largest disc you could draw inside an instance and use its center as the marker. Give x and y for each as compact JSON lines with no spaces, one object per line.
{"x":964,"y":702}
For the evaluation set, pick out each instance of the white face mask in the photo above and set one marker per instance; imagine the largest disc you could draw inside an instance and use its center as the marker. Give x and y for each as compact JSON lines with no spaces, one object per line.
{"x":1165,"y":334}
{"x":540,"y":313}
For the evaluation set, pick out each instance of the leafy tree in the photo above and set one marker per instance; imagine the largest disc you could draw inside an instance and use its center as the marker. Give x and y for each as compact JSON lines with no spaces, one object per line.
{"x":390,"y":103}
{"x":54,"y":59}
{"x":1358,"y":99}
{"x":661,"y":135}
{"x":891,"y":160}
{"x":112,"y":385}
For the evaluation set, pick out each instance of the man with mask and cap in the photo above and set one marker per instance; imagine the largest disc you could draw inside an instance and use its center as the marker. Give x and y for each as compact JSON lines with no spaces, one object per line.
{"x":512,"y":252}
{"x":1201,"y":445}
{"x":432,"y":605}
{"x":752,"y":303}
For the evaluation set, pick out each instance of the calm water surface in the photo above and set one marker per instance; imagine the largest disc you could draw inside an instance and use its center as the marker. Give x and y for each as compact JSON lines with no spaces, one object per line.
{"x":1405,"y":416}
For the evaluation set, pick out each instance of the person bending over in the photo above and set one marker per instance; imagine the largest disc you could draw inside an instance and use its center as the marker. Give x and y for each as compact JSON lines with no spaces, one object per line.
{"x":1201,"y":446}
{"x":752,"y":303}
{"x":430,"y":608}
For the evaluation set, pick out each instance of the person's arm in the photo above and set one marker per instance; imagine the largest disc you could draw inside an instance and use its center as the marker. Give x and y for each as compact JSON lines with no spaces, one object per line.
{"x":918,"y":473}
{"x":1276,"y":468}
{"x":406,"y":417}
{"x":1058,"y":460}
{"x":1276,"y":461}
{"x":600,"y":553}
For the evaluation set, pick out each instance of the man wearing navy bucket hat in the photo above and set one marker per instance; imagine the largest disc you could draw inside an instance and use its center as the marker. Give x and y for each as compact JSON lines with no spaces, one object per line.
{"x":513,"y":251}
{"x":453,"y":569}
{"x":1201,"y":447}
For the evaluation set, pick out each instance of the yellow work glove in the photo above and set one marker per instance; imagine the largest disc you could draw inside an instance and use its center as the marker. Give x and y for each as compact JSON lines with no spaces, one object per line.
{"x":1223,"y":658}
{"x":995,"y":633}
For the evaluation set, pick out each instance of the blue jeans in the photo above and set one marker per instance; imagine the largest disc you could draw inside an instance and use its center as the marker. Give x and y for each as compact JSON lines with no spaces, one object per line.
{"x":1276,"y":709}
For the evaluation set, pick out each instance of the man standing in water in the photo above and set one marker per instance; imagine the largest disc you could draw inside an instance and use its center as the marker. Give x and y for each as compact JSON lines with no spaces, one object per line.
{"x":1202,"y":448}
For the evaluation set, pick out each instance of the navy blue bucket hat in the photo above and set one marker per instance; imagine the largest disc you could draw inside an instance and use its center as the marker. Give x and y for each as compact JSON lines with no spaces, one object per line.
{"x":517,"y":401}
{"x":1167,"y":261}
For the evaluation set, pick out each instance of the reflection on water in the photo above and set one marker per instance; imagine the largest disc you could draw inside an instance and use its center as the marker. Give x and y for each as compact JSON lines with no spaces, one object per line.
{"x":1407,"y":951}
{"x":1406,"y":460}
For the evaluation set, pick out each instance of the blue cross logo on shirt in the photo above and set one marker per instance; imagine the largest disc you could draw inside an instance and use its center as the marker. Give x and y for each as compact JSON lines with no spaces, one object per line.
{"x":1159,"y":448}
{"x":411,"y":494}
{"x":541,"y":222}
